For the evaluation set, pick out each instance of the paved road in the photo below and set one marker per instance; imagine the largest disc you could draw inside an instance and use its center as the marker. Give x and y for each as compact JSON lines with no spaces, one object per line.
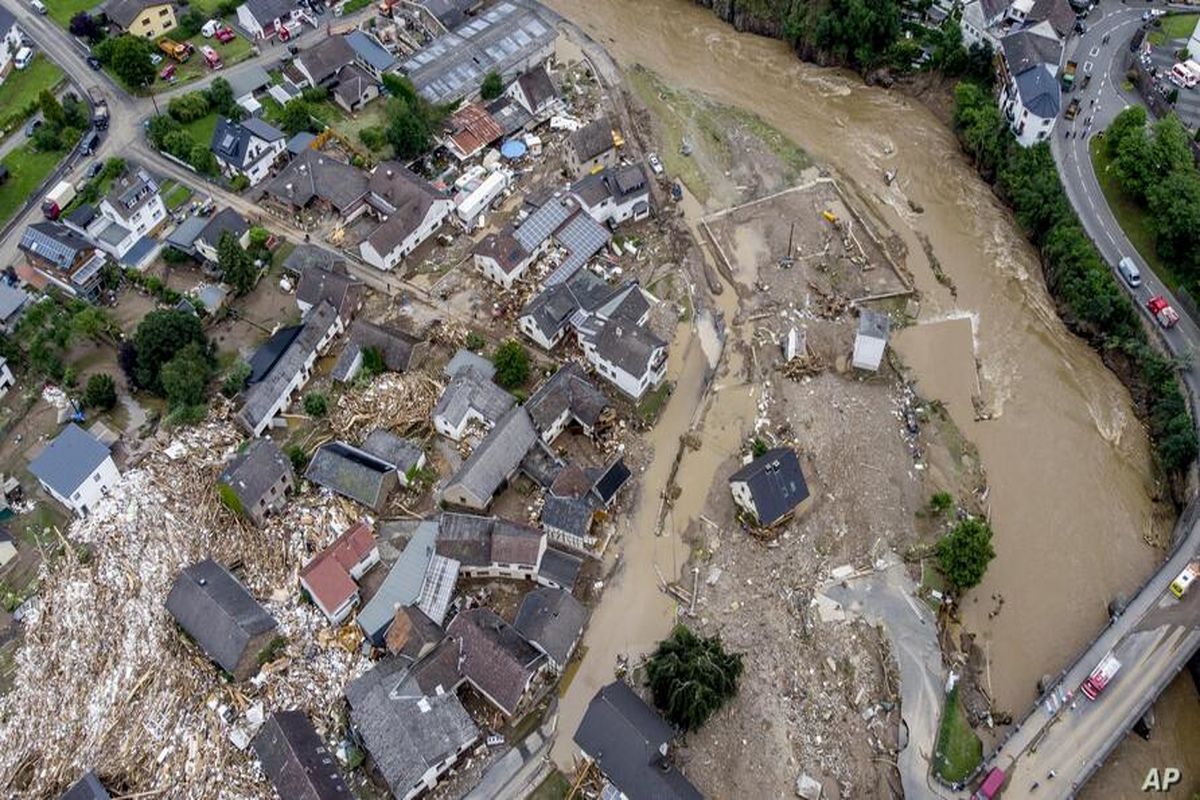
{"x":1157,"y":634}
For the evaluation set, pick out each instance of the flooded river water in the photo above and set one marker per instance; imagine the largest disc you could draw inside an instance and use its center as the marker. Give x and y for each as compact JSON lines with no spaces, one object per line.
{"x":1068,"y":464}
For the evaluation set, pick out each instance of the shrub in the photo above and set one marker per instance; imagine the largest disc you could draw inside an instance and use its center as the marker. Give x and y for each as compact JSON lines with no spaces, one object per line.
{"x":941,"y":502}
{"x":316,"y":404}
{"x":100,"y":392}
{"x":512,"y":364}
{"x":965,"y":552}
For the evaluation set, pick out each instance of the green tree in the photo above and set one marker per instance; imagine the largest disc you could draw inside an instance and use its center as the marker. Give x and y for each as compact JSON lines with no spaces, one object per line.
{"x":161,"y":126}
{"x":129,"y":57}
{"x":85,"y":26}
{"x":236,"y":379}
{"x":92,"y":322}
{"x":220,"y":96}
{"x":949,"y":54}
{"x":189,"y":107}
{"x":316,"y":404}
{"x":372,"y":362}
{"x":237,"y":267}
{"x":185,"y":376}
{"x":1174,"y":204}
{"x":965,"y":552}
{"x":980,"y":127}
{"x":691,"y":677}
{"x":409,"y":133}
{"x":100,"y":392}
{"x":202,"y":159}
{"x":1170,"y":149}
{"x":52,"y":110}
{"x":492,"y":86}
{"x":296,"y":117}
{"x":512,"y":364}
{"x":159,"y":336}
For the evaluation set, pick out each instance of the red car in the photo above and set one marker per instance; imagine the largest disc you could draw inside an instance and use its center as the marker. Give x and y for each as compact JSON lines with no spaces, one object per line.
{"x":226,"y":35}
{"x":1162,"y":311}
{"x":168,"y":72}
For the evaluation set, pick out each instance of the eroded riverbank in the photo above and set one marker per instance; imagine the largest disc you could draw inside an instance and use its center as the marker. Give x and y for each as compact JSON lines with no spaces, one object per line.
{"x":1067,"y":462}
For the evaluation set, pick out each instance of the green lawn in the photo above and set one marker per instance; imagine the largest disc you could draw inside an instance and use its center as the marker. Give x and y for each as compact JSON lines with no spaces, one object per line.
{"x":959,"y":750}
{"x":61,"y":11}
{"x":176,"y":196}
{"x":22,"y":87}
{"x":1179,"y":26}
{"x":1130,"y":215}
{"x":26,"y":169}
{"x":202,"y":129}
{"x":555,"y":787}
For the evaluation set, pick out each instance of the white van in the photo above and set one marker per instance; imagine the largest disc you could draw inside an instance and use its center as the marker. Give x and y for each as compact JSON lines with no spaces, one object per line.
{"x":38,"y":6}
{"x":210,"y":29}
{"x":1129,"y":271}
{"x":24,"y":56}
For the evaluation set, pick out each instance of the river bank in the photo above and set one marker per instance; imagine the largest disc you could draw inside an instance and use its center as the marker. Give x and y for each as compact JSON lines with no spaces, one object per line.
{"x":1034,"y":399}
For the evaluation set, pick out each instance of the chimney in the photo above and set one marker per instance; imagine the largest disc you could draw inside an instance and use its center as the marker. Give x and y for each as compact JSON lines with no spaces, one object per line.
{"x":291,"y":190}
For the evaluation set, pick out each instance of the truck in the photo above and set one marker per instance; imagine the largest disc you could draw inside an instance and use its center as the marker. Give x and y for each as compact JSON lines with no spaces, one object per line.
{"x":1072,"y":109}
{"x":99,"y":109}
{"x":1162,"y":311}
{"x":1101,"y":676}
{"x":211,"y":57}
{"x":1068,"y":76}
{"x":57,"y":199}
{"x":990,"y":786}
{"x":180,"y":52}
{"x":1190,"y":573}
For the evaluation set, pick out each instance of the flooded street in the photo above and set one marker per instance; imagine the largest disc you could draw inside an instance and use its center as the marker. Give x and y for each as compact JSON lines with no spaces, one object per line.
{"x":1068,"y":465}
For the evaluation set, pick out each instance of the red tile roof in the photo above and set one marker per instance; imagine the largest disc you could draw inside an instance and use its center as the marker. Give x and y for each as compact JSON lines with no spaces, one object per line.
{"x":473,"y":129}
{"x":328,"y":574}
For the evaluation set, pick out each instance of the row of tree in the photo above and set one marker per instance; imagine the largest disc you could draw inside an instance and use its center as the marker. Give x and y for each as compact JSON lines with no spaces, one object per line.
{"x":217,"y":98}
{"x":62,"y":122}
{"x":1155,"y":167}
{"x":1076,"y":274}
{"x":168,"y":135}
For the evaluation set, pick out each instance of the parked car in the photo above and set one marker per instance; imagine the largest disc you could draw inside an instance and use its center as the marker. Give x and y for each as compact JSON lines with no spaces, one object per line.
{"x":94,"y":170}
{"x":226,"y":35}
{"x":32,"y":127}
{"x":655,"y":164}
{"x":94,"y":63}
{"x":155,"y":59}
{"x":1162,"y":311}
{"x":39,"y":6}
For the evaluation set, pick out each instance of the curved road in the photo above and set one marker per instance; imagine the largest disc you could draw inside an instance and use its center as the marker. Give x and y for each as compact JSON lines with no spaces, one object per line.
{"x":1157,"y":634}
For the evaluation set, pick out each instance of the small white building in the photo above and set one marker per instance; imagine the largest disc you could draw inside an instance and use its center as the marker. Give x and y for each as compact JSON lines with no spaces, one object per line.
{"x":10,"y":42}
{"x":410,"y":212}
{"x":474,"y":203}
{"x":615,"y":194}
{"x":263,"y":18}
{"x":871,"y":341}
{"x":76,"y":468}
{"x":501,"y":259}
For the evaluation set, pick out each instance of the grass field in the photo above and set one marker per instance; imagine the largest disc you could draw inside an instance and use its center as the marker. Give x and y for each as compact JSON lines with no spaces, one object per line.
{"x":959,"y":750}
{"x":202,"y":129}
{"x":232,"y":52}
{"x":22,"y":88}
{"x":175,"y":195}
{"x":555,"y":787}
{"x":1130,"y":215}
{"x":61,"y":11}
{"x":26,"y":169}
{"x":1179,"y":26}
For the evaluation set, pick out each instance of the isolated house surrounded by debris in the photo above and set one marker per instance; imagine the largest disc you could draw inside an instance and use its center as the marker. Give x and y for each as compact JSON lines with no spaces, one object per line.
{"x":405,"y":456}
{"x":489,"y":547}
{"x":256,"y":481}
{"x":493,"y":463}
{"x":289,"y":371}
{"x":496,"y":660}
{"x":630,"y":744}
{"x":552,"y":621}
{"x":564,"y":398}
{"x":414,"y":736}
{"x":469,"y":398}
{"x":353,"y":473}
{"x":871,"y":341}
{"x":410,"y":210}
{"x":534,"y":91}
{"x":341,"y":290}
{"x":217,"y":612}
{"x":771,"y":486}
{"x":88,"y":787}
{"x":248,"y":148}
{"x":591,"y":148}
{"x":76,"y":468}
{"x":400,"y":350}
{"x":296,"y":760}
{"x":330,"y":578}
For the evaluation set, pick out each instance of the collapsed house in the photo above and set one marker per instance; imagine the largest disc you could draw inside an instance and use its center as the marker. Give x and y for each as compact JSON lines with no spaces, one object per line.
{"x":331,"y":577}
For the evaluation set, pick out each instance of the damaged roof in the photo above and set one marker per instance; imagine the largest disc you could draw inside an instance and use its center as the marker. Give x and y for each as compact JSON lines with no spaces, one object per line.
{"x":552,"y":620}
{"x":252,"y":472}
{"x":495,"y":658}
{"x":566,"y":391}
{"x":350,"y":472}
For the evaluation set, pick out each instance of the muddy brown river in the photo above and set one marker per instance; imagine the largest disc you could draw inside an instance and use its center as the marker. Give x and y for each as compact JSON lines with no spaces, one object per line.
{"x":1068,"y":465}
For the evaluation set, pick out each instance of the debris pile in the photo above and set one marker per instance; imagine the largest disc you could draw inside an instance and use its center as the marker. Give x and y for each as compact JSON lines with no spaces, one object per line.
{"x":134,"y":698}
{"x":399,"y":403}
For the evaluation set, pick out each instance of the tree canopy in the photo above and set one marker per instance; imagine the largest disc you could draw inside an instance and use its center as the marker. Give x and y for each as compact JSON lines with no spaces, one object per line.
{"x":129,"y":57}
{"x":185,"y":376}
{"x":965,"y":552}
{"x":237,"y":267}
{"x":692,"y":677}
{"x":512,"y":364}
{"x":100,"y":392}
{"x":492,"y":86}
{"x":159,"y":336}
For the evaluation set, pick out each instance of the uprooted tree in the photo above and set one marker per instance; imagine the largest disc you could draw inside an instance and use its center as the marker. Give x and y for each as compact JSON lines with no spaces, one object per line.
{"x":692,"y":677}
{"x":964,"y":553}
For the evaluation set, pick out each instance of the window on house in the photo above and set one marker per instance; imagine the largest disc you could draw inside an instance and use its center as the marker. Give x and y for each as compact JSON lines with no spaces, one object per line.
{"x":163,"y":12}
{"x":146,"y":21}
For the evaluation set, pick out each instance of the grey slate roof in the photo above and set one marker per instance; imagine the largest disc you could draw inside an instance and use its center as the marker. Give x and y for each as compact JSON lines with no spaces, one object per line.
{"x":186,"y":233}
{"x":1058,"y":13}
{"x":592,"y":139}
{"x":552,"y":620}
{"x":224,"y":221}
{"x":463,"y":359}
{"x":567,"y":514}
{"x":537,"y":86}
{"x":324,"y":59}
{"x":623,"y":735}
{"x":252,"y":472}
{"x":478,"y":541}
{"x":495,"y":658}
{"x":402,"y":586}
{"x":296,"y":760}
{"x":470,"y":391}
{"x":407,"y":731}
{"x":247,"y":79}
{"x":88,"y":787}
{"x":124,"y":12}
{"x":1030,"y":47}
{"x":309,"y":255}
{"x":398,"y":348}
{"x":350,"y":472}
{"x":318,"y":283}
{"x":551,"y":310}
{"x":776,"y":483}
{"x":313,"y":175}
{"x":631,"y":347}
{"x":560,"y":566}
{"x":215,"y":609}
{"x":402,"y":454}
{"x":69,"y":460}
{"x":497,"y":456}
{"x":406,"y":198}
{"x":353,"y":83}
{"x":569,"y":390}
{"x":231,"y":140}
{"x":369,"y":51}
{"x":266,"y":11}
{"x":261,"y":396}
{"x":270,"y":351}
{"x":1039,"y":91}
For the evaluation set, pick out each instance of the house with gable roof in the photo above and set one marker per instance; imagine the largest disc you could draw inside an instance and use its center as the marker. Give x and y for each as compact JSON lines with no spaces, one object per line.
{"x":249,"y":148}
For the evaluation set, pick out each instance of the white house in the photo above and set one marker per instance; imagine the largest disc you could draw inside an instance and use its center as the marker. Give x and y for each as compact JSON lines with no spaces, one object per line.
{"x":410,"y":210}
{"x":263,"y":18}
{"x":76,"y":468}
{"x":473,"y":203}
{"x":330,"y":578}
{"x":248,"y":148}
{"x":534,"y":91}
{"x":501,"y":259}
{"x":469,"y":398}
{"x":771,"y":487}
{"x":615,"y":194}
{"x":6,"y":377}
{"x":10,"y":42}
{"x":1030,"y":95}
{"x":871,"y":341}
{"x":617,"y":343}
{"x":135,"y":203}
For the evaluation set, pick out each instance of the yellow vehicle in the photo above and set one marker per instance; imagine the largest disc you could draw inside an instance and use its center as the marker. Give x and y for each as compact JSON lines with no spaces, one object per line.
{"x":1180,"y":585}
{"x":177,"y":51}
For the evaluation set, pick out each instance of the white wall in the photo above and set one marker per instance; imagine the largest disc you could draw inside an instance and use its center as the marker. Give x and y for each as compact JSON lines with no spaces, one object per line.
{"x":85,"y":497}
{"x":633,"y":385}
{"x":6,"y":378}
{"x":528,"y":328}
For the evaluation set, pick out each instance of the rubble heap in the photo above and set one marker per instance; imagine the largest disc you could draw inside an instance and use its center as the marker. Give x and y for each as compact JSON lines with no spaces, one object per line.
{"x":105,"y":680}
